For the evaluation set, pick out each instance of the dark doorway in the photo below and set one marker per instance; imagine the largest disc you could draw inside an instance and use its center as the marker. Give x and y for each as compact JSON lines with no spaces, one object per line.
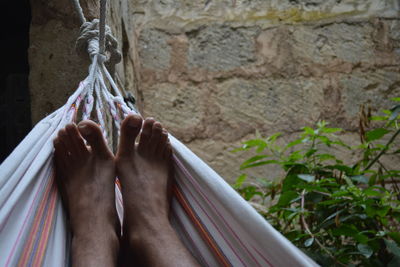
{"x":15,"y":111}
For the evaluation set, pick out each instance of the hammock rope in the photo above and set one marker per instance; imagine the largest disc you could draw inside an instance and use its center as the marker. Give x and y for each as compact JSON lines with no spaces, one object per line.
{"x":95,"y":37}
{"x":79,"y":11}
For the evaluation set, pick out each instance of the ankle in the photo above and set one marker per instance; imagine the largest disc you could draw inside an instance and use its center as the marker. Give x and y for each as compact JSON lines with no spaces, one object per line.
{"x":95,"y":248}
{"x":108,"y":228}
{"x":148,"y":231}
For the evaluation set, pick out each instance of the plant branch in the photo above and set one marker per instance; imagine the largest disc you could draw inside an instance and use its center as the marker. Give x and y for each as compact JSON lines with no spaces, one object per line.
{"x":383,"y":150}
{"x":305,"y":226}
{"x":393,"y":181}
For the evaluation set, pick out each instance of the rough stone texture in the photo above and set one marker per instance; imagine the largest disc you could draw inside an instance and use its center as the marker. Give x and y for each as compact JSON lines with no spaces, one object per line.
{"x":219,"y":47}
{"x":155,"y":52}
{"x":215,"y":72}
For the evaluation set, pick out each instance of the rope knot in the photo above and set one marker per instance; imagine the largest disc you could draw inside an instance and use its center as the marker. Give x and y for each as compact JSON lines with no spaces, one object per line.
{"x":88,"y":42}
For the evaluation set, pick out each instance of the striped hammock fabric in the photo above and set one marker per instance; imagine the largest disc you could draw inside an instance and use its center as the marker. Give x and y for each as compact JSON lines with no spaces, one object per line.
{"x":214,"y":222}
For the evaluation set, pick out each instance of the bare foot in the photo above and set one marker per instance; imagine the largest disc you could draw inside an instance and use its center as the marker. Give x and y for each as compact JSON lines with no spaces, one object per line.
{"x":85,"y":177}
{"x":144,"y":171}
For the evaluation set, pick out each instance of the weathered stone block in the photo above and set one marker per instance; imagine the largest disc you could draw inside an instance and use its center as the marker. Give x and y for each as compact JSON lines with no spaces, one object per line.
{"x":154,"y":50}
{"x":180,"y":108}
{"x":221,"y":47}
{"x":372,"y":89}
{"x":284,"y":105}
{"x":347,"y":42}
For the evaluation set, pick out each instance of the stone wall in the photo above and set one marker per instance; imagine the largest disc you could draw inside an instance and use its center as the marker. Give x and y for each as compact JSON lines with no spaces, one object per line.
{"x":215,"y":72}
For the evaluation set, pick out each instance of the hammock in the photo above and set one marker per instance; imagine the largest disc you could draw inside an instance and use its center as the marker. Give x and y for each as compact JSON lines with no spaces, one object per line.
{"x":213,"y":221}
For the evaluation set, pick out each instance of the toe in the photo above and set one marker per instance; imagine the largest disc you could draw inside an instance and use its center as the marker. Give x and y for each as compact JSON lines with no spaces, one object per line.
{"x":65,"y":141}
{"x":162,"y":143}
{"x":130,"y":128}
{"x":60,"y":153}
{"x":145,"y":135}
{"x":93,"y":135}
{"x":155,"y":138}
{"x":168,"y":151}
{"x":76,"y":140}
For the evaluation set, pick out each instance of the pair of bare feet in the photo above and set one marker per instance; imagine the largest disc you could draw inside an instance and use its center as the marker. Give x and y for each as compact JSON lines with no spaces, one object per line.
{"x":86,"y":177}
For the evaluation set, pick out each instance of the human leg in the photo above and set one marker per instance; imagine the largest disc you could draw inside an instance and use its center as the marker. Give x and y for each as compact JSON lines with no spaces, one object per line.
{"x":85,"y":177}
{"x":144,"y":170}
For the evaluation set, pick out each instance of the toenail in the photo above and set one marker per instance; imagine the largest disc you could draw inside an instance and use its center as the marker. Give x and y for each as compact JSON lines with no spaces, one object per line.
{"x":85,"y":129}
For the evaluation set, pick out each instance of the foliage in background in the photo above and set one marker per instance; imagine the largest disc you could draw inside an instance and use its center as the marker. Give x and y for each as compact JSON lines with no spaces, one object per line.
{"x":337,"y":213}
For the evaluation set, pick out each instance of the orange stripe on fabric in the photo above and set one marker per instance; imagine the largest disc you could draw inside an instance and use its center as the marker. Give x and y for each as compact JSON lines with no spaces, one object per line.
{"x":118,"y":183}
{"x":27,"y":250}
{"x":199,"y":226}
{"x":44,"y":236}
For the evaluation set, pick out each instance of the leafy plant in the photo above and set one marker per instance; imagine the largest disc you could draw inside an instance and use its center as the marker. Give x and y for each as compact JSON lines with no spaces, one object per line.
{"x":340,"y":214}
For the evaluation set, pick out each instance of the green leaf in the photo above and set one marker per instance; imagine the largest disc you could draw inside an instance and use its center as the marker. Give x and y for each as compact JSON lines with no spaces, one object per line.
{"x":392,"y":247}
{"x":325,"y":140}
{"x":306,"y":177}
{"x":309,"y":242}
{"x":331,"y":130}
{"x":287,"y":197}
{"x":372,"y":179}
{"x":346,"y":169}
{"x":239,"y":181}
{"x":309,"y":130}
{"x":383,"y":211}
{"x":397,"y":99}
{"x":297,"y":168}
{"x":331,"y":202}
{"x":273,"y":137}
{"x":259,"y":143}
{"x":363,"y":239}
{"x":371,"y":192}
{"x":378,"y":118}
{"x":395,"y":236}
{"x":253,"y":159}
{"x":260,"y":163}
{"x":333,"y":215}
{"x":290,"y":182}
{"x":295,"y":156}
{"x":345,"y":230}
{"x":365,"y":250}
{"x":376,"y":134}
{"x":310,"y":152}
{"x":295,"y":142}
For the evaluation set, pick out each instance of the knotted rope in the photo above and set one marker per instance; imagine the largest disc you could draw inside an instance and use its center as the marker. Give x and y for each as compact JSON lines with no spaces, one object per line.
{"x":95,"y":37}
{"x":88,"y":42}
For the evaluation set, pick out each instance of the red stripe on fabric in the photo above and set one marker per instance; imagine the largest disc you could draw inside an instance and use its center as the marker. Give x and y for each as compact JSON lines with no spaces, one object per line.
{"x":211,"y":220}
{"x":262,"y":256}
{"x":24,"y":224}
{"x":32,"y":234}
{"x":182,"y":167}
{"x":200,"y":227}
{"x":185,"y":232}
{"x":44,"y":236}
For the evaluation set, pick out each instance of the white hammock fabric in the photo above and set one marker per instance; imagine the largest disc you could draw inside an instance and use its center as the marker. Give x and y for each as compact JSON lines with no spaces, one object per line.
{"x":214,"y":222}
